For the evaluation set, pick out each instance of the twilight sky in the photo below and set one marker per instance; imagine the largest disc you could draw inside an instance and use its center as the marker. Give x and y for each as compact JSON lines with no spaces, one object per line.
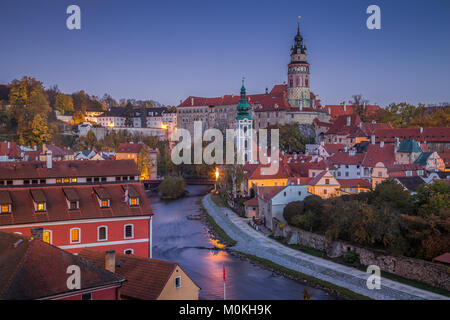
{"x":168,"y":50}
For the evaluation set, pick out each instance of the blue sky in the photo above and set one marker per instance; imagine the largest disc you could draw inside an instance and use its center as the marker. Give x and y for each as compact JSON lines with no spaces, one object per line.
{"x":168,"y":50}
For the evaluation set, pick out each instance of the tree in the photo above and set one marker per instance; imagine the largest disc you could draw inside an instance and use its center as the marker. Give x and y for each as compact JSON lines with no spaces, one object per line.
{"x":358,"y":104}
{"x":232,"y":177}
{"x":80,"y":101}
{"x":64,"y":103}
{"x":172,"y":187}
{"x":52,"y":92}
{"x":37,"y":134}
{"x":78,"y":118}
{"x":129,"y":113}
{"x":144,"y":163}
{"x":291,"y":139}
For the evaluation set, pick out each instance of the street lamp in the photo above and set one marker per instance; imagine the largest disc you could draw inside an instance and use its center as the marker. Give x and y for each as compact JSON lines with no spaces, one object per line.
{"x":217,"y":178}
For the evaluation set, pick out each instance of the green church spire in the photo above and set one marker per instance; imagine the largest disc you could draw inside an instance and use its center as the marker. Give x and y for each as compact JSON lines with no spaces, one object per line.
{"x":243,"y":107}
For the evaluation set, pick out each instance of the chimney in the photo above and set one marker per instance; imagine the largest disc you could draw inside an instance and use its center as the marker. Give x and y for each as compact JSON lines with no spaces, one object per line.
{"x":345,"y":148}
{"x":381,"y":144}
{"x":267,"y":91}
{"x":49,"y":159}
{"x":192,"y":101}
{"x":9,"y":144}
{"x":345,"y":108}
{"x":421,"y":131}
{"x":298,"y":180}
{"x":110,"y":261}
{"x":37,"y":233}
{"x":372,"y":139}
{"x":397,"y":142}
{"x":349,"y":121}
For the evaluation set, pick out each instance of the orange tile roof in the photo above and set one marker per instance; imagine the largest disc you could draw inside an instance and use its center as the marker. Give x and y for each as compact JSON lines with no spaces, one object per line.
{"x":146,"y":278}
{"x":56,"y":206}
{"x":26,"y":273}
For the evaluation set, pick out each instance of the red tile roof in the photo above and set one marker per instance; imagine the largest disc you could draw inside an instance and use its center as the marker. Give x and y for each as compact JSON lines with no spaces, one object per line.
{"x":375,"y":153}
{"x":340,"y":127}
{"x":262,"y":172}
{"x":58,"y":151}
{"x":33,"y":269}
{"x":338,"y":110}
{"x":12,"y":152}
{"x":253,"y":202}
{"x":443,"y":258}
{"x":146,"y":278}
{"x":353,"y":183}
{"x":427,"y":134}
{"x":23,"y":209}
{"x":267,"y":193}
{"x":332,"y":148}
{"x":70,"y":168}
{"x":130,"y":147}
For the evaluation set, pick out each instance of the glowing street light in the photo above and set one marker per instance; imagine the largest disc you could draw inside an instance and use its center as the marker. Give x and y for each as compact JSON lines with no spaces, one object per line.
{"x":216,"y":173}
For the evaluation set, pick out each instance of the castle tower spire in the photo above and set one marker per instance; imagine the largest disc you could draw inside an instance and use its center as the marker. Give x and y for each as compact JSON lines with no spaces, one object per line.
{"x":298,"y":94}
{"x":243,"y":126}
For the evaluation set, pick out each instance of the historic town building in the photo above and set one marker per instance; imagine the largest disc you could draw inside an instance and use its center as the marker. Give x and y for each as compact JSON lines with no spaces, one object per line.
{"x":243,"y":129}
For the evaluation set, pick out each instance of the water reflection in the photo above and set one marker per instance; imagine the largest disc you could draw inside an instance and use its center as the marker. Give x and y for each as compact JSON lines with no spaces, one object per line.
{"x":189,"y":243}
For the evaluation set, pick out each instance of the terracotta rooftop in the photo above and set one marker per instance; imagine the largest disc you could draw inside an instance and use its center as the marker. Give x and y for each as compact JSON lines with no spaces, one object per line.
{"x":56,"y":204}
{"x":427,"y":134}
{"x":129,"y":147}
{"x":353,"y":183}
{"x":26,"y":273}
{"x":70,"y":168}
{"x":146,"y":278}
{"x":253,"y":202}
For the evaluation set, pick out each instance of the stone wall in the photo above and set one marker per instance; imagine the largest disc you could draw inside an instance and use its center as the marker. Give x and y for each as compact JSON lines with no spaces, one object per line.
{"x":434,"y":274}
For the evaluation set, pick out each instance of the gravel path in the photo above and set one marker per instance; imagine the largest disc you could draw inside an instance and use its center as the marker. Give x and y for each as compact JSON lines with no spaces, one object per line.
{"x":253,"y":242}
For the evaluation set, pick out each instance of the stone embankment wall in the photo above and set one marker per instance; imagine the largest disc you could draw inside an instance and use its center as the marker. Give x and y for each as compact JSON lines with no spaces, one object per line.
{"x":434,"y":274}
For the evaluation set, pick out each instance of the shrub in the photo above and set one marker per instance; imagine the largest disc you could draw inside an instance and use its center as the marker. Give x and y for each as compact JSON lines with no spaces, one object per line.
{"x":351,"y":257}
{"x":172,"y":187}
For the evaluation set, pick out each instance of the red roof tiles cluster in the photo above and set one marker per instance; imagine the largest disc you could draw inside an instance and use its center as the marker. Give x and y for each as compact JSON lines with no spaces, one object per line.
{"x":336,"y":111}
{"x":23,"y":210}
{"x":10,"y":149}
{"x":146,"y":278}
{"x":26,"y":273}
{"x":417,"y":134}
{"x":69,"y":168}
{"x":128,"y":147}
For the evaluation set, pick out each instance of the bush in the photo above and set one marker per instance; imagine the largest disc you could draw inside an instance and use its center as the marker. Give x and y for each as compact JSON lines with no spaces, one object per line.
{"x":172,"y":187}
{"x":351,"y":257}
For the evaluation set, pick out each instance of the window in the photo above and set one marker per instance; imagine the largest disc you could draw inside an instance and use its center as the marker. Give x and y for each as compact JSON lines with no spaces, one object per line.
{"x":75,"y":235}
{"x":128,"y":231}
{"x":134,"y":202}
{"x":177,"y":282}
{"x":66,"y":180}
{"x":73,"y":205}
{"x":40,"y":206}
{"x":47,"y":236}
{"x":299,"y":193}
{"x":129,"y":251}
{"x":325,"y":191}
{"x":73,"y":180}
{"x":105,"y":203}
{"x":5,"y":208}
{"x":327,"y":181}
{"x":102,"y":233}
{"x":86,"y":296}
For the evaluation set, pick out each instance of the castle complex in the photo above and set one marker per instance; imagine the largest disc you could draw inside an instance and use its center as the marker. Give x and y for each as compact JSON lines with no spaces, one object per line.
{"x":285,"y":103}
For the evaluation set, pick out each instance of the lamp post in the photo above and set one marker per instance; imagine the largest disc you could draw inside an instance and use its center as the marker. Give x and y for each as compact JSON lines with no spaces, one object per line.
{"x":217,"y":178}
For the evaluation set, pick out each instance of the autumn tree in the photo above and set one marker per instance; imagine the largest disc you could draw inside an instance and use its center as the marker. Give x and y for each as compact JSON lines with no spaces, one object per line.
{"x":358,"y":104}
{"x":64,"y":103}
{"x":144,"y":163}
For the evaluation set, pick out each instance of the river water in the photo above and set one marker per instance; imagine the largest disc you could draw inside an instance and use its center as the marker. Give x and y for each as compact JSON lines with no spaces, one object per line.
{"x":189,"y":243}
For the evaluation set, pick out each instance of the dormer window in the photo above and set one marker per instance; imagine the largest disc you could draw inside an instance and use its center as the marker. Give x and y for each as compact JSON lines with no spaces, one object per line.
{"x":5,"y":202}
{"x":103,"y":197}
{"x":131,"y":196}
{"x":72,"y":198}
{"x":39,"y":200}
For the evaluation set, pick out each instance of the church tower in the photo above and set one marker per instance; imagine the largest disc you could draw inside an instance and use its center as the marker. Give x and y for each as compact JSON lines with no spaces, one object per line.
{"x":298,"y":94}
{"x":243,"y":128}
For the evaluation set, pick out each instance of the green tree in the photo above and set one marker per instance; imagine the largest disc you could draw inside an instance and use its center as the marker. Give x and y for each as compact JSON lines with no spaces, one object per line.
{"x":64,"y":103}
{"x":129,"y":113}
{"x":172,"y":187}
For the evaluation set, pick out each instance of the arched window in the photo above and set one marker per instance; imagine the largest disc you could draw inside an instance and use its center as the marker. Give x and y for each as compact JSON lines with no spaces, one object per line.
{"x":128,"y":251}
{"x":128,"y":231}
{"x":102,"y":233}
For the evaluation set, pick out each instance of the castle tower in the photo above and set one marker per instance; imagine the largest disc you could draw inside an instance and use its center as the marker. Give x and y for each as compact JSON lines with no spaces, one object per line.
{"x":243,"y":128}
{"x":298,"y":94}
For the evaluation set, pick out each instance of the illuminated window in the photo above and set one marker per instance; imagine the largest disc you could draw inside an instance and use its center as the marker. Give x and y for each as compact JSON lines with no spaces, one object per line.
{"x":66,"y":180}
{"x":74,"y":235}
{"x":73,"y":180}
{"x":105,"y":204}
{"x":5,"y":208}
{"x":59,"y":180}
{"x":134,"y":201}
{"x":47,"y":237}
{"x":41,"y":206}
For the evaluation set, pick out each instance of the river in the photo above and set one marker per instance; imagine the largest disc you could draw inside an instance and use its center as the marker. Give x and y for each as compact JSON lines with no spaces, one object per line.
{"x":189,"y":243}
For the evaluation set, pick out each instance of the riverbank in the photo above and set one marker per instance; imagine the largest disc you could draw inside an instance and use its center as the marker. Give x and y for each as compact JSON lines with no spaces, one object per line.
{"x":253,"y":243}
